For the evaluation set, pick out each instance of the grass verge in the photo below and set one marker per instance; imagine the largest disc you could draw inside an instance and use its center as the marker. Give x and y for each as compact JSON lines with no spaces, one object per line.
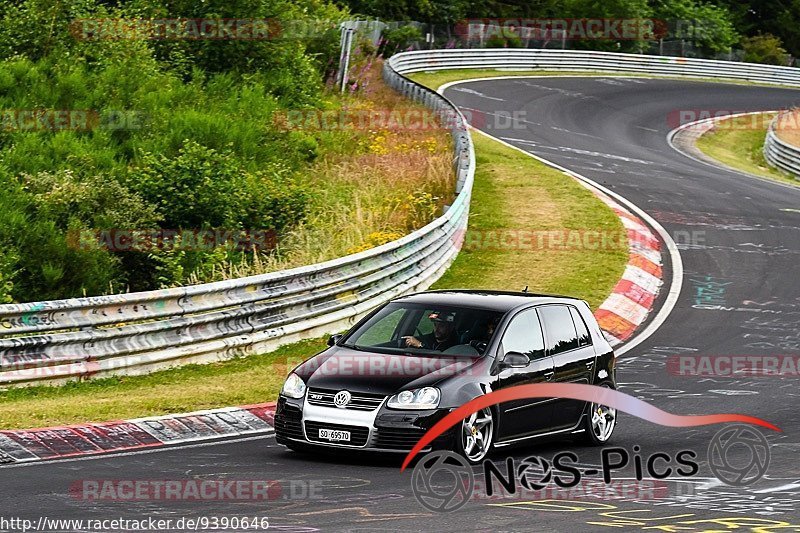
{"x":738,"y":143}
{"x":517,"y":199}
{"x":514,"y":198}
{"x":241,"y":381}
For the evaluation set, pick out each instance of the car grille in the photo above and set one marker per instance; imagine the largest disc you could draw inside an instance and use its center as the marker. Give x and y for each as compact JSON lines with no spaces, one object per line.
{"x":289,"y":428}
{"x":358,"y":434}
{"x":360,"y":401}
{"x":397,"y":439}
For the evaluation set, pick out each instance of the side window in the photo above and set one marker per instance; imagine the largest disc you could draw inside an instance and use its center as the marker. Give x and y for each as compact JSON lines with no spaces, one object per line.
{"x":559,"y":329}
{"x":524,"y":335}
{"x":584,"y":339}
{"x":424,"y":326}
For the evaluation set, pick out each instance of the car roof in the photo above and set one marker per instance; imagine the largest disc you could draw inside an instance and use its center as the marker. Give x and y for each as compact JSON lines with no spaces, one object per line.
{"x":482,"y":299}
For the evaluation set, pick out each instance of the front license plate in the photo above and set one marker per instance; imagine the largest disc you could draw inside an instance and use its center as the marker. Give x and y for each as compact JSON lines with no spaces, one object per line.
{"x":334,"y":435}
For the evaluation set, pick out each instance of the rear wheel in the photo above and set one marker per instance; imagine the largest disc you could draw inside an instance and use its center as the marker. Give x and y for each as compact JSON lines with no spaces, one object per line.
{"x":599,"y":422}
{"x":475,"y":439}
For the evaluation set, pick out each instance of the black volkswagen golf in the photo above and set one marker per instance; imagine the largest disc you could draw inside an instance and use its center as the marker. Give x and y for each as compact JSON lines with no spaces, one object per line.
{"x":407,"y":364}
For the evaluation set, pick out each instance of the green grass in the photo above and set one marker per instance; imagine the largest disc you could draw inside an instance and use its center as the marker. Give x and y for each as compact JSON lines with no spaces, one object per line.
{"x":512,"y":193}
{"x":241,"y":381}
{"x":741,"y":148}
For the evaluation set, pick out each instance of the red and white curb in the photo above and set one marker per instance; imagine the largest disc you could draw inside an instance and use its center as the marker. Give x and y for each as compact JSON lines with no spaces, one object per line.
{"x":633,"y":297}
{"x":23,"y":446}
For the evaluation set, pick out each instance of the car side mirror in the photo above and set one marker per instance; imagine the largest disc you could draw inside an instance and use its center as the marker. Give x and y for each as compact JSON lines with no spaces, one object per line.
{"x":333,"y":339}
{"x":515,"y":360}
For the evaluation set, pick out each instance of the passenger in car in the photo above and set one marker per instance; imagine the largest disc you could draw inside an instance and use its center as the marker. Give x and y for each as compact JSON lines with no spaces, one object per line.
{"x":480,"y":339}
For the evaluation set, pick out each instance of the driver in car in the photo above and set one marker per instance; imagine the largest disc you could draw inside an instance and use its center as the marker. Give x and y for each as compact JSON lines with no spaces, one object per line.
{"x":441,"y":338}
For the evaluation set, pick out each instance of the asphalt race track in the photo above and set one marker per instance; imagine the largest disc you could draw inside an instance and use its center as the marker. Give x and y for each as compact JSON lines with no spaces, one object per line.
{"x":739,"y":239}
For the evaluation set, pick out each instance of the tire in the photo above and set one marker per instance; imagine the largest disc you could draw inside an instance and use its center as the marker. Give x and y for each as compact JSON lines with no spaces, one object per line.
{"x":599,"y":422}
{"x":475,"y":437}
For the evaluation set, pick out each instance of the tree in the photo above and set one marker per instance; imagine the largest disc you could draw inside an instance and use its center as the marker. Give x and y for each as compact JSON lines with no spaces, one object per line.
{"x":766,"y":49}
{"x":777,"y":17}
{"x":708,"y":26}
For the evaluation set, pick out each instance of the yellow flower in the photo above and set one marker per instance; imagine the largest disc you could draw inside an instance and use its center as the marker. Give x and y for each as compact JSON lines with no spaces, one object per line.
{"x":374,"y":239}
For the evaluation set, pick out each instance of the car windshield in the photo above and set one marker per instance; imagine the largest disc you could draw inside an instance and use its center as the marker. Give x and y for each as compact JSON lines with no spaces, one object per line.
{"x":425,"y":329}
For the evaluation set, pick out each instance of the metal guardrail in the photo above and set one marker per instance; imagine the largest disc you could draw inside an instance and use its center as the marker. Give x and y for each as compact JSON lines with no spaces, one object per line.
{"x":781,"y":154}
{"x":135,"y":333}
{"x":591,"y":61}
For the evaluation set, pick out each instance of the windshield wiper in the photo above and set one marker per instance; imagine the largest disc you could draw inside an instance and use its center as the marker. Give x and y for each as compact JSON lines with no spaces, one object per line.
{"x":353,"y":347}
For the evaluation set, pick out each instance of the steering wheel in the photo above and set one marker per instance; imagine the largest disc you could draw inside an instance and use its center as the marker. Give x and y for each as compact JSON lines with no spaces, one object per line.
{"x":478,"y":345}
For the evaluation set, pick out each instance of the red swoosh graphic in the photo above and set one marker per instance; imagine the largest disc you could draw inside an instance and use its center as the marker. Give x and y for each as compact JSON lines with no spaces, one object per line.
{"x":574,"y":391}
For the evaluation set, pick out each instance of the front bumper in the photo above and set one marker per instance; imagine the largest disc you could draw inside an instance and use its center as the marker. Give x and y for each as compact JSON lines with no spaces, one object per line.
{"x":380,"y":430}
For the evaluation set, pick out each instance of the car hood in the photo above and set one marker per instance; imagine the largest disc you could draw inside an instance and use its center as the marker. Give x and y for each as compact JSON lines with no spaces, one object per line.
{"x":340,"y":368}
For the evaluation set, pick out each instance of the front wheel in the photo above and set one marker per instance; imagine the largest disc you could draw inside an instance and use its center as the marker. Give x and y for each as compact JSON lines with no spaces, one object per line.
{"x":475,"y":439}
{"x":599,"y":423}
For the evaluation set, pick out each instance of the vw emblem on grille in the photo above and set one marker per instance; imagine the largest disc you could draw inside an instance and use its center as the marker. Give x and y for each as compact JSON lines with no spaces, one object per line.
{"x":341,"y":398}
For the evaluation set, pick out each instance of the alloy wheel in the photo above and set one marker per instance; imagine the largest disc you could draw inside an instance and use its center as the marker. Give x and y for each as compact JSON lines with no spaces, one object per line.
{"x":477,"y":432}
{"x":604,"y":419}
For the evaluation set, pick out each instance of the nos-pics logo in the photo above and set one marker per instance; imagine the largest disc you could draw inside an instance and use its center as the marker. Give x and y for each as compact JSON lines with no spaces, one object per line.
{"x":443,"y":481}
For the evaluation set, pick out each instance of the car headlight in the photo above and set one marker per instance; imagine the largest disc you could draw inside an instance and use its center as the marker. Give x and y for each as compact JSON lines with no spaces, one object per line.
{"x":294,"y":387}
{"x":424,"y":398}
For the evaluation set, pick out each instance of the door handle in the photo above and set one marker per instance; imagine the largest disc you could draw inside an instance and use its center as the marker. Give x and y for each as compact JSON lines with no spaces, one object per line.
{"x":589,"y":364}
{"x":549,"y":375}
